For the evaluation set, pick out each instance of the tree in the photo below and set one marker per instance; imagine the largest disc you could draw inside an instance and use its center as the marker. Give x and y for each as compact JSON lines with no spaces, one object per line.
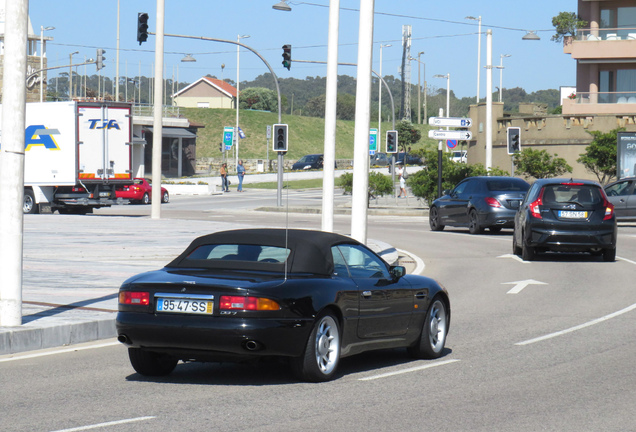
{"x":566,"y":24}
{"x":258,"y":98}
{"x":407,"y":134}
{"x":379,"y":184}
{"x":539,"y":164}
{"x":423,"y":183}
{"x":600,"y":156}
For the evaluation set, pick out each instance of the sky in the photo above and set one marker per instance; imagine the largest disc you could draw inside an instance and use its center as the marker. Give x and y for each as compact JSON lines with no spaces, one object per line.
{"x":439,"y":29}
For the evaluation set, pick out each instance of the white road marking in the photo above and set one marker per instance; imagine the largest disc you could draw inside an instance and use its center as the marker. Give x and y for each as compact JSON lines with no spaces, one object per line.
{"x":55,"y":351}
{"x":419,"y":263}
{"x":578,"y":327}
{"x":403,"y":371}
{"x":519,"y":285}
{"x":514,"y":257}
{"x":626,"y":260}
{"x":100,"y":425}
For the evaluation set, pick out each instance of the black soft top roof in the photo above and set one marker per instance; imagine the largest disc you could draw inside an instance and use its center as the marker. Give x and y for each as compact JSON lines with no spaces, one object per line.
{"x":310,"y":250}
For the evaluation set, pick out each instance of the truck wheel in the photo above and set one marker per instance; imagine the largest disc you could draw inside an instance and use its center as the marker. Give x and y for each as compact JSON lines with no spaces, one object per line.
{"x":29,"y":206}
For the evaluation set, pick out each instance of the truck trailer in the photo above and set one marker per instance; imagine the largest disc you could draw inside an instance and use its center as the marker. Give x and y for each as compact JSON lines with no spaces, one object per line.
{"x":75,"y":155}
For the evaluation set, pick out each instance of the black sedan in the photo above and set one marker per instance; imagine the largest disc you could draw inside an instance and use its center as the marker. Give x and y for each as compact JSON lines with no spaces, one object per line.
{"x":565,"y":216}
{"x":309,"y":162}
{"x":309,"y":296}
{"x":622,"y":193}
{"x":478,"y":203}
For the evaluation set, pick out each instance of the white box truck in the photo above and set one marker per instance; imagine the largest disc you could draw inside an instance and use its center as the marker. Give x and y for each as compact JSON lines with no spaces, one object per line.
{"x":75,"y":154}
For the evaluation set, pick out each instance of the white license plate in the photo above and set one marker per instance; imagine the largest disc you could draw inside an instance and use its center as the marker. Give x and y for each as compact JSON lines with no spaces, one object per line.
{"x":104,"y":194}
{"x":184,"y":305}
{"x":566,"y":214}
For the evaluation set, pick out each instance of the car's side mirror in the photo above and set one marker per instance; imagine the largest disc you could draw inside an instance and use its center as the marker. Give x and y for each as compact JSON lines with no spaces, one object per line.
{"x":446,"y":192}
{"x":398,"y":271}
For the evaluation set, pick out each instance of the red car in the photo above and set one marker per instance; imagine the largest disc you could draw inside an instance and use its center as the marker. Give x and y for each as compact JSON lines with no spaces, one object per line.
{"x":140,"y":191}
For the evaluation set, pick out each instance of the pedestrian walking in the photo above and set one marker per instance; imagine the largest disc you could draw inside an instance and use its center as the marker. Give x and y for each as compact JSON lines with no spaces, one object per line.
{"x":401,"y":172}
{"x":224,"y":182}
{"x":240,"y":172}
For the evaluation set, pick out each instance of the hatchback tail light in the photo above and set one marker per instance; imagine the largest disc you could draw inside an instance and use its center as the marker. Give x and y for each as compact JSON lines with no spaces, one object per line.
{"x":247,"y":303}
{"x":609,"y":209}
{"x":141,"y":298}
{"x":492,"y":202}
{"x":534,"y":206}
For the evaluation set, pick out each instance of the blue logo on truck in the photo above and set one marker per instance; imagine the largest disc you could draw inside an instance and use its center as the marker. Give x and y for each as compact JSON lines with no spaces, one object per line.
{"x":36,"y":135}
{"x":103,"y":124}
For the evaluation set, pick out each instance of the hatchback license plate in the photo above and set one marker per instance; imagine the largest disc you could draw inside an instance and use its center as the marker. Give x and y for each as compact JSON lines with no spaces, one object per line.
{"x":566,"y":214}
{"x":183,"y":305}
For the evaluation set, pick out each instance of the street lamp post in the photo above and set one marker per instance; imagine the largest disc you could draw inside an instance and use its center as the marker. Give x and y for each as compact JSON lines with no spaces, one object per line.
{"x":380,"y":94}
{"x":478,"y":51}
{"x":447,"y":76}
{"x":236,"y":132}
{"x":501,"y":68}
{"x":419,"y":87}
{"x":70,"y":76}
{"x":42,"y":30}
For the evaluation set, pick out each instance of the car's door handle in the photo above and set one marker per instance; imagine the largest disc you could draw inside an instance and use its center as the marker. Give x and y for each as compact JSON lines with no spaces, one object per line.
{"x":420,"y":295}
{"x":366,"y":293}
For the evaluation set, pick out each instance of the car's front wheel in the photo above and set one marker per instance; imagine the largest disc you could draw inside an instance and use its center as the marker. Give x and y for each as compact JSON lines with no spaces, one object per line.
{"x":473,"y":223}
{"x":434,"y":221}
{"x":150,"y":363}
{"x":322,"y":353}
{"x":434,"y":331}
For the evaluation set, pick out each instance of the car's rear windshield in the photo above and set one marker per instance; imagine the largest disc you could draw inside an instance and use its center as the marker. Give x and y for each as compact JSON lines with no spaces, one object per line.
{"x":240,"y":252}
{"x":507,"y":185}
{"x":572,"y":193}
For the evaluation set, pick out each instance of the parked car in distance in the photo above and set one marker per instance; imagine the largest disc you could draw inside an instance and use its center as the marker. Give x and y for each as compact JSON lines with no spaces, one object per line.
{"x":478,"y":203}
{"x":565,"y":216}
{"x":307,"y":296}
{"x":309,"y":162}
{"x":140,"y":190}
{"x":622,"y":193}
{"x":459,"y":156}
{"x":379,"y":159}
{"x":411,"y":159}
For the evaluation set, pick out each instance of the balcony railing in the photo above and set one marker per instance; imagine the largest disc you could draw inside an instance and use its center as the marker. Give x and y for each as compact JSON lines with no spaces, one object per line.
{"x":605,"y":98}
{"x":147,"y":110}
{"x":606,"y":34}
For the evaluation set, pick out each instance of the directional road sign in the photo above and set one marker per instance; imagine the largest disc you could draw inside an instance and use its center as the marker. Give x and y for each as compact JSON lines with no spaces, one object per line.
{"x":450,"y":121}
{"x":450,"y":135}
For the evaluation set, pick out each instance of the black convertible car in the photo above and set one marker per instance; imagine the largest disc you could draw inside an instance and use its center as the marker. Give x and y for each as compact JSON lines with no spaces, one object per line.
{"x":309,"y":296}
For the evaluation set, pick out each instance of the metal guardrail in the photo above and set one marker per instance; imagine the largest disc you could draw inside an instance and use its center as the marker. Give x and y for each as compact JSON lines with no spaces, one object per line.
{"x":147,"y":110}
{"x":606,"y":34}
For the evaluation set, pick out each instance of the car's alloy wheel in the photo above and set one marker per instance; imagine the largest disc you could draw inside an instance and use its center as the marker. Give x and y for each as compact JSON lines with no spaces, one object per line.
{"x":145,"y":199}
{"x":433,"y":220}
{"x":434,"y":331}
{"x":322,"y":353}
{"x":150,"y":363}
{"x":165,"y":197}
{"x":473,"y":223}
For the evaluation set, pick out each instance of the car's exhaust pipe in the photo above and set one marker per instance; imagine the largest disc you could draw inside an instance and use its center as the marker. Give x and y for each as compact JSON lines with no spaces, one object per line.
{"x":124,"y":339}
{"x":252,"y":345}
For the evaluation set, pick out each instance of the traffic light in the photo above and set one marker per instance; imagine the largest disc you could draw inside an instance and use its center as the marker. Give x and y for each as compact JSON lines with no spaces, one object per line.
{"x":142,"y":27}
{"x":391,"y":141}
{"x":287,"y":59}
{"x":100,"y":58}
{"x":514,"y":140}
{"x":280,"y":137}
{"x":221,"y":147}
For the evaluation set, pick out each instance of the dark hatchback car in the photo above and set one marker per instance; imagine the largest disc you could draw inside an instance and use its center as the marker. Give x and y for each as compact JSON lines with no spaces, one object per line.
{"x":311,"y":297}
{"x":411,"y":159}
{"x":309,"y":162}
{"x":478,"y":203}
{"x":379,"y":159}
{"x":565,"y":216}
{"x":622,"y":193}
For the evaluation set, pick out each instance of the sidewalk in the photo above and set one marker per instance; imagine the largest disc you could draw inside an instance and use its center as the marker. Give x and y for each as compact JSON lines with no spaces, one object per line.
{"x":70,"y":288}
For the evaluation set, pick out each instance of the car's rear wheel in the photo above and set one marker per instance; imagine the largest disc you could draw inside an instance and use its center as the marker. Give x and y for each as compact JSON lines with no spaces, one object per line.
{"x":609,"y":255}
{"x":434,"y":331}
{"x":516,"y":250}
{"x":527,"y":252}
{"x":150,"y":363}
{"x":473,"y":223}
{"x":433,"y":220}
{"x":322,"y":353}
{"x":145,"y":199}
{"x":165,"y":197}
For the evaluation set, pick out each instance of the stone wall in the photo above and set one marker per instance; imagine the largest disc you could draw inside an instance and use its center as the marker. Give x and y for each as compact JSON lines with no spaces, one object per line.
{"x":211,"y":166}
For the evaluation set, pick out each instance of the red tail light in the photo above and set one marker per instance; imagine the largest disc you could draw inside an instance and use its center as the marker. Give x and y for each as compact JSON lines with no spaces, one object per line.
{"x":492,"y":202}
{"x":247,"y":303}
{"x":609,"y":210}
{"x":534,"y":206}
{"x":134,"y":298}
{"x":78,"y":189}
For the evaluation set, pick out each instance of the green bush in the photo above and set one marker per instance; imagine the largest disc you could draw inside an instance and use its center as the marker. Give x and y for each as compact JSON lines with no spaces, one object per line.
{"x":379,"y":184}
